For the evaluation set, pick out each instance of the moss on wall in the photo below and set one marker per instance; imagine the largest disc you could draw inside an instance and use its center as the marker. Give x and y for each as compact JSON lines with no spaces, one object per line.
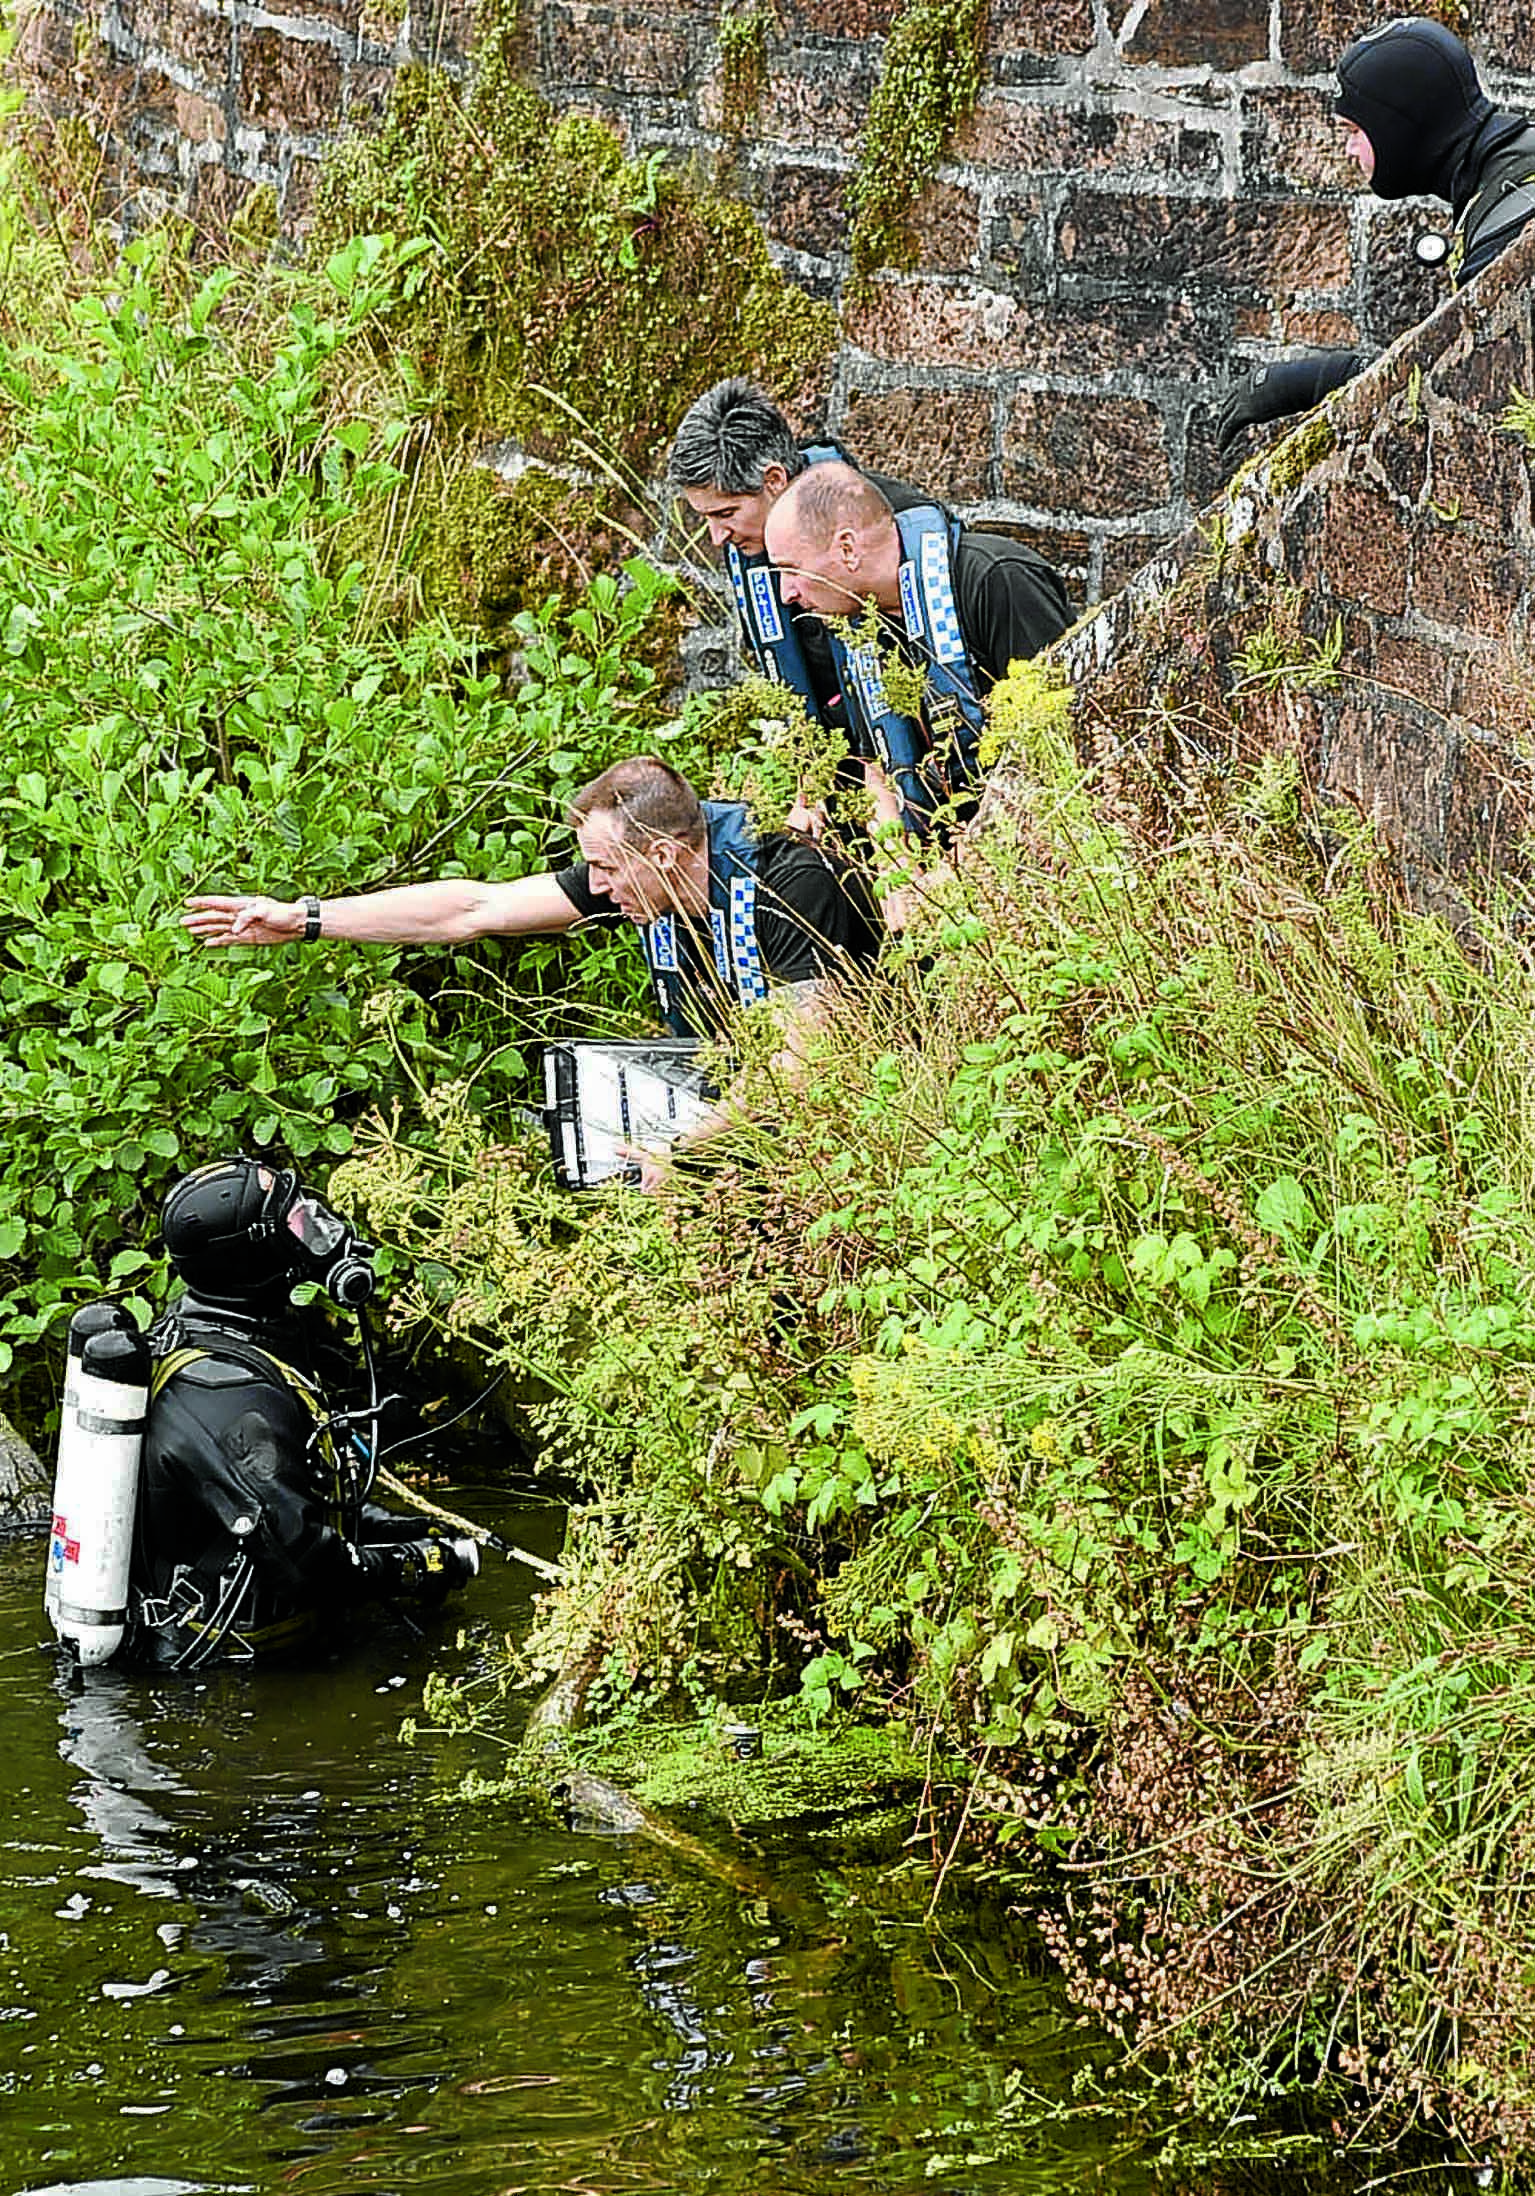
{"x":568,"y":298}
{"x":929,"y":83}
{"x":571,"y":295}
{"x":743,"y":62}
{"x":488,"y":548}
{"x":841,"y":1770}
{"x":1314,"y":439}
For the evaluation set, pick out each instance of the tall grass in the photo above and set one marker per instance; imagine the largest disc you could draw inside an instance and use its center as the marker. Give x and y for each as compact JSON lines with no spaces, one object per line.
{"x":1118,"y":1360}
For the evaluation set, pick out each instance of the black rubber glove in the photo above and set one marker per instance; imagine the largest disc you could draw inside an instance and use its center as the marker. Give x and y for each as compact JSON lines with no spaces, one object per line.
{"x":422,"y":1570}
{"x":1275,"y":391}
{"x":1243,"y":407}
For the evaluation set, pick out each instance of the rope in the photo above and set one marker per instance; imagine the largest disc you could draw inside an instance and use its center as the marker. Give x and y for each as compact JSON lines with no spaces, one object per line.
{"x":459,"y":1524}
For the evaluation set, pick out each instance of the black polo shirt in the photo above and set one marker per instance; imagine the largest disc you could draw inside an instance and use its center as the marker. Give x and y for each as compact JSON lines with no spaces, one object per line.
{"x":1011,"y":603}
{"x":815,"y":916}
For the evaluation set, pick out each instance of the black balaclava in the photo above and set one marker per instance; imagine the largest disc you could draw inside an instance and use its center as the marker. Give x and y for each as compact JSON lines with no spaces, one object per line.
{"x":1413,"y":89}
{"x":241,"y":1234}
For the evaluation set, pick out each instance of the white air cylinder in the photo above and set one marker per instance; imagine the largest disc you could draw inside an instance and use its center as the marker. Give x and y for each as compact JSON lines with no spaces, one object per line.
{"x":96,"y":1485}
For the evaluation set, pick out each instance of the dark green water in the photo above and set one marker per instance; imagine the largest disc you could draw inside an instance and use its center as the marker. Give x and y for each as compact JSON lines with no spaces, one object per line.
{"x":246,"y":1945}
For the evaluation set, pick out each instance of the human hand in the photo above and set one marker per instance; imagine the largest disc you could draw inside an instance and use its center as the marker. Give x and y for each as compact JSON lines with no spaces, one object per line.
{"x":885,"y":802}
{"x":653,"y":1168}
{"x":1248,"y":402}
{"x":240,"y":919}
{"x":811,"y":821}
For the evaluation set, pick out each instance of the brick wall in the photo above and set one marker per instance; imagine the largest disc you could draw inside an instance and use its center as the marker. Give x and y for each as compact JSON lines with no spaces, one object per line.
{"x":1409,"y":538}
{"x":1146,"y":188}
{"x":196,"y":104}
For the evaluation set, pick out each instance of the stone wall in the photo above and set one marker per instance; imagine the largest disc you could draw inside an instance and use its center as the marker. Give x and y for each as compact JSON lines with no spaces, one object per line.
{"x":1389,"y":542}
{"x":1145,"y":189}
{"x":196,"y":106}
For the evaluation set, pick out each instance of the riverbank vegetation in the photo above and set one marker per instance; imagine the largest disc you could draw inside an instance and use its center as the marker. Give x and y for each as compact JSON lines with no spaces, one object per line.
{"x":1112,"y":1369}
{"x":206,"y":683}
{"x":267,"y":621}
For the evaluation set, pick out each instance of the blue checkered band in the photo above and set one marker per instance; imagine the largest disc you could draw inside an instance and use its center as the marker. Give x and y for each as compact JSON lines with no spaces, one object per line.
{"x":863,"y":662}
{"x":746,"y":958}
{"x":737,"y":571}
{"x":736,"y":955}
{"x":765,"y":602}
{"x":943,"y":634}
{"x":911,"y":601}
{"x":661,"y":945}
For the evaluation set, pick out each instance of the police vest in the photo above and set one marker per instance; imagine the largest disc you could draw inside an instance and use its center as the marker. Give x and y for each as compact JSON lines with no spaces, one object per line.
{"x":766,"y":625}
{"x":732,"y":923}
{"x":1499,"y":210}
{"x":931,"y":763}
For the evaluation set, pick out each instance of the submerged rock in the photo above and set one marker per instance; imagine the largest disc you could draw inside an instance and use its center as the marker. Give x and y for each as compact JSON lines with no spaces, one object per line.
{"x":858,"y":1783}
{"x":559,"y":1711}
{"x":592,"y":1803}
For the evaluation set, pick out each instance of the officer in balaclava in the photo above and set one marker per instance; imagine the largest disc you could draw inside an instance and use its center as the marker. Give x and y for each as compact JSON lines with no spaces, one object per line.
{"x":253,"y":1517}
{"x":1419,"y":125}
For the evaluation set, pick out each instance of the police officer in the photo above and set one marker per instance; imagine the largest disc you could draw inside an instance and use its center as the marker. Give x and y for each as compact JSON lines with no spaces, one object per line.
{"x":727,"y":916}
{"x":1418,"y":124}
{"x":734,"y":456}
{"x":253,"y":1519}
{"x":958,"y":605}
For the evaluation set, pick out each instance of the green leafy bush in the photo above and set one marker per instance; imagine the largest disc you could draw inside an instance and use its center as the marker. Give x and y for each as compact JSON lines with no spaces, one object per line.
{"x":197,"y":693}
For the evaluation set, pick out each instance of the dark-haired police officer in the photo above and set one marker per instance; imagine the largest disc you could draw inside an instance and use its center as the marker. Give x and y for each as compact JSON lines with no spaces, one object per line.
{"x":253,"y":1520}
{"x":735,"y":454}
{"x":1418,"y":124}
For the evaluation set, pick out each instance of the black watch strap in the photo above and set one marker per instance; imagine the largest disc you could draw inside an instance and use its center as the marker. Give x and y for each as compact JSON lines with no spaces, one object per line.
{"x":311,"y":918}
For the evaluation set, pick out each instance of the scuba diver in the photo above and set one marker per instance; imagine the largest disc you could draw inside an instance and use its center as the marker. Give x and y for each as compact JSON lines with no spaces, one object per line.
{"x":253,"y":1521}
{"x":1417,"y":123}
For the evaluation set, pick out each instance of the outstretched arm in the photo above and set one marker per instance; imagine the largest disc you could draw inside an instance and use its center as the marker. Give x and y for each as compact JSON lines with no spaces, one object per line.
{"x":1277,"y":390}
{"x":449,"y":911}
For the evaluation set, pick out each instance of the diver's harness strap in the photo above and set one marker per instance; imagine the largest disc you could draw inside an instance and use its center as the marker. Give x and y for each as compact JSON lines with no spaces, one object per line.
{"x":254,"y":1359}
{"x":238,"y":1350}
{"x":185,"y":1605}
{"x":1507,"y":202}
{"x":265,"y":1364}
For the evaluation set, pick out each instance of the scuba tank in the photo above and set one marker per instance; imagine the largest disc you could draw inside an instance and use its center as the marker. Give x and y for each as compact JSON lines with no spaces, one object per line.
{"x":95,"y":1488}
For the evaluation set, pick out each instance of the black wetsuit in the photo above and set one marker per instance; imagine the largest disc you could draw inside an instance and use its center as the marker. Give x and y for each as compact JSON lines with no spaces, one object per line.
{"x":247,"y":1534}
{"x":1413,"y":89}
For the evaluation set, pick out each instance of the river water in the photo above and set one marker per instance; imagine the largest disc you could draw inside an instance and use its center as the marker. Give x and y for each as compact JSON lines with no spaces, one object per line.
{"x":250,"y":1942}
